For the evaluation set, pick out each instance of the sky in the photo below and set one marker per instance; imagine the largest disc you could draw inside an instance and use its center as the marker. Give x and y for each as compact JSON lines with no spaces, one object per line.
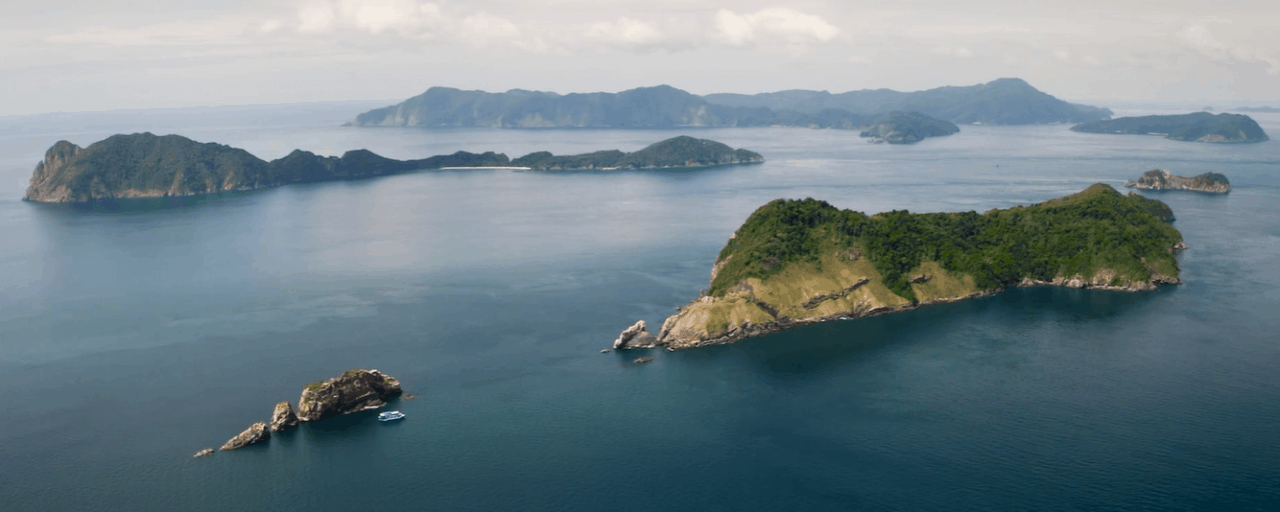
{"x":86,"y":55}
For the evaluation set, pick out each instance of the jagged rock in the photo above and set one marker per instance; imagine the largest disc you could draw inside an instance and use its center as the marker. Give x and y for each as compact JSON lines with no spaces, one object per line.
{"x":604,"y":351}
{"x":353,"y":391}
{"x":1159,"y":179}
{"x":204,"y":453}
{"x":256,"y":433}
{"x":635,"y":337}
{"x":282,"y":418}
{"x":643,"y":359}
{"x":922,"y":278}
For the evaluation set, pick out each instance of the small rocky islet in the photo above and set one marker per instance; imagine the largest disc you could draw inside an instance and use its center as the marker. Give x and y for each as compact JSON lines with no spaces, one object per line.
{"x":354,"y":391}
{"x":1159,"y":179}
{"x":798,"y":262}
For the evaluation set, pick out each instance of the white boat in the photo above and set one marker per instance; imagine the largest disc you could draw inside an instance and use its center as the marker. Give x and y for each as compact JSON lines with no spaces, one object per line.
{"x":390,"y":416}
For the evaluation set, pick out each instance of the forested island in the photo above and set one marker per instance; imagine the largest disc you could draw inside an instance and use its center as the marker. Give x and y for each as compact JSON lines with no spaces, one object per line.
{"x":1004,"y":101}
{"x":1194,"y":127}
{"x":906,"y":128}
{"x":1159,"y":179}
{"x":145,"y":165}
{"x":796,"y":262}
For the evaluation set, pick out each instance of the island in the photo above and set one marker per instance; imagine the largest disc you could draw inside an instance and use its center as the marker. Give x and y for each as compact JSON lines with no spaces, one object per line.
{"x":143,"y":165}
{"x":1194,"y":127}
{"x":797,"y":262}
{"x":1004,"y":101}
{"x":354,"y":391}
{"x":907,"y":128}
{"x":1160,"y":179}
{"x":662,"y":106}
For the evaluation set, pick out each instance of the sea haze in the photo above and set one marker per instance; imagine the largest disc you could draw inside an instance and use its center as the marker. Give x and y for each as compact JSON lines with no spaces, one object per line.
{"x":130,"y":338}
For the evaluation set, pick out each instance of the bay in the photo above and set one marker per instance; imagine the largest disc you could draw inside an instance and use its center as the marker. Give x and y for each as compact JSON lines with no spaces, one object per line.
{"x":131,"y":338}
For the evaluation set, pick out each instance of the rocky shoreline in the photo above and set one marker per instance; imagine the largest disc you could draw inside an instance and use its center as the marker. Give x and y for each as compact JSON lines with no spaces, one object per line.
{"x":666,"y":339}
{"x":1159,"y":179}
{"x":353,"y":391}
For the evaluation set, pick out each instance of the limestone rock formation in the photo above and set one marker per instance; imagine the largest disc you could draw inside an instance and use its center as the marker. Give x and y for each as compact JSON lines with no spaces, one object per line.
{"x":256,"y":433}
{"x":635,"y":337}
{"x":353,"y":391}
{"x":1159,"y":179}
{"x":283,"y":418}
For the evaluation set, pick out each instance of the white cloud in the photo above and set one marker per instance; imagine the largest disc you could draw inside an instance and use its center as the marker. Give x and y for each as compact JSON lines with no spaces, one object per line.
{"x":483,"y":28}
{"x":952,"y":51}
{"x":629,"y":34}
{"x":1199,"y":39}
{"x":777,"y":24}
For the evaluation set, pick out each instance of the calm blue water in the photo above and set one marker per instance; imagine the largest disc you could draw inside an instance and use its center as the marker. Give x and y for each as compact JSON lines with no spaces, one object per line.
{"x":131,"y":339}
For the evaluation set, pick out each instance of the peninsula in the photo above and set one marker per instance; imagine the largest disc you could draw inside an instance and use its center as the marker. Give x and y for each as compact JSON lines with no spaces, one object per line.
{"x":1159,"y":179}
{"x":796,"y":262}
{"x":1194,"y":127}
{"x":144,"y":165}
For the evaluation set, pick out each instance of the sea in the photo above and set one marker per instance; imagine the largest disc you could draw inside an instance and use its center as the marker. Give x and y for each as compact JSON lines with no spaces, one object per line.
{"x":135,"y":335}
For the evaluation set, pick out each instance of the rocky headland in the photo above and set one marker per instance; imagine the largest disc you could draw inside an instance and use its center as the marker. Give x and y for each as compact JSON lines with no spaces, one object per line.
{"x":144,"y":165}
{"x":797,"y":262}
{"x":1158,"y":179}
{"x":1194,"y":127}
{"x":353,"y":391}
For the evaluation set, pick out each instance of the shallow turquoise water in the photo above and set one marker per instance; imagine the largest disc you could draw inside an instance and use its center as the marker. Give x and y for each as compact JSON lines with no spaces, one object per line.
{"x":129,"y":339}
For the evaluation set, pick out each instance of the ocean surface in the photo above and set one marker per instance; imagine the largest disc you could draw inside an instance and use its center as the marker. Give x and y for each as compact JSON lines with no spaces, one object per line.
{"x":130,"y":338}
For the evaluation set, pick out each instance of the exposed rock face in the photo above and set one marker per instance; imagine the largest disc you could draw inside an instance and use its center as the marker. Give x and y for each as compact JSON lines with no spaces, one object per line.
{"x":353,"y":391}
{"x":1158,"y":179}
{"x":635,"y":337}
{"x":256,"y":433}
{"x":204,"y":453}
{"x":282,"y":418}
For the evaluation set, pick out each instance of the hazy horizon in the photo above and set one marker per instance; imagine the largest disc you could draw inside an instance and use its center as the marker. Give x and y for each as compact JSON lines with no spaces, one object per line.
{"x":67,"y":56}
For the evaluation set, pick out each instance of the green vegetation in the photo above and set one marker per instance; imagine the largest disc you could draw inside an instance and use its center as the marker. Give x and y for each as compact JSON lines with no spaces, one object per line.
{"x":680,"y":151}
{"x":1075,"y":235}
{"x":1197,"y":127}
{"x":907,"y":128}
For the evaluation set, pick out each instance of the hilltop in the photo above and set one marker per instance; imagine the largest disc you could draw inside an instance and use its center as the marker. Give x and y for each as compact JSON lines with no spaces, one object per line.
{"x":795,"y":262}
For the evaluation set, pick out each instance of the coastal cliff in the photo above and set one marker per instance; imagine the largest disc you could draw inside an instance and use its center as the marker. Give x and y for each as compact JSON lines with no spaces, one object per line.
{"x":1194,"y":127}
{"x":144,"y":165}
{"x":1158,"y":179}
{"x":797,"y":262}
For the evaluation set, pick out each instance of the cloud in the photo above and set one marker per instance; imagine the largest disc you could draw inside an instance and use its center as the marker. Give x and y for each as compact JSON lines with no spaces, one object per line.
{"x":952,"y":51}
{"x":629,"y":34}
{"x":774,"y":25}
{"x":1199,"y":39}
{"x":404,"y":17}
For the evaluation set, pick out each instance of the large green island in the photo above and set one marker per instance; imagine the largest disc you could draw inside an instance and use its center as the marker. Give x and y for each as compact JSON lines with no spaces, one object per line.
{"x":796,"y":262}
{"x":144,"y":165}
{"x":1194,"y":127}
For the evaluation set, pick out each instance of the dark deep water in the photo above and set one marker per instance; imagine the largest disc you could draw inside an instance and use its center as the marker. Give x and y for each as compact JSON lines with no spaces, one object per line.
{"x":130,"y":339}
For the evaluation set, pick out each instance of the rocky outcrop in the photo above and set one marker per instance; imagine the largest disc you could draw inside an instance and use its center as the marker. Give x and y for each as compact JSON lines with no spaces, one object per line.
{"x":283,"y":418}
{"x":1159,"y":179}
{"x":256,"y":433}
{"x":635,"y":336}
{"x":204,"y":453}
{"x":642,"y":359}
{"x":353,"y":391}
